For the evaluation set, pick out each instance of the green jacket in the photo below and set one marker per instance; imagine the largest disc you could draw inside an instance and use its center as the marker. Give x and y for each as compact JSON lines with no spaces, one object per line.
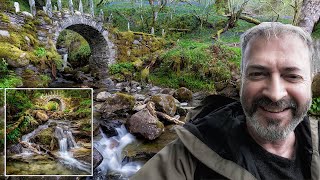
{"x":212,"y":146}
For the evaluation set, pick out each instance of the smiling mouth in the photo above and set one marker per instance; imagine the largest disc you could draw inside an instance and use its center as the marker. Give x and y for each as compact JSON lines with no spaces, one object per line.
{"x":273,"y":109}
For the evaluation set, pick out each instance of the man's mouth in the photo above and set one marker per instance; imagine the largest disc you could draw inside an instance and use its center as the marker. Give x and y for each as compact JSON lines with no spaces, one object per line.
{"x":273,"y":109}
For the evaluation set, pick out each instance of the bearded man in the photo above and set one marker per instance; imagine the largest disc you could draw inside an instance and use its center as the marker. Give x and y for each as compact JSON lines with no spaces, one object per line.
{"x":267,"y":135}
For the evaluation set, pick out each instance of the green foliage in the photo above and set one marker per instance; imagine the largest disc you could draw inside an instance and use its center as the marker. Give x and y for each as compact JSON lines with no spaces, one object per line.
{"x":315,"y":106}
{"x":187,"y":56}
{"x":3,"y":68}
{"x":18,"y":101}
{"x":52,"y":106}
{"x":3,"y":17}
{"x":84,"y":108}
{"x":40,"y":52}
{"x":121,"y":68}
{"x":191,"y":81}
{"x":316,"y":31}
{"x":10,"y":81}
{"x":13,"y":136}
{"x":80,"y":55}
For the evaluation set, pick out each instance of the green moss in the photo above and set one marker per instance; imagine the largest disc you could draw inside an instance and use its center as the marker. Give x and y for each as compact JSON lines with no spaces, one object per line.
{"x":9,"y":51}
{"x":45,"y":79}
{"x":37,"y":22}
{"x":126,"y":98}
{"x":45,"y":137}
{"x":10,"y":81}
{"x":47,"y":20}
{"x":4,"y":18}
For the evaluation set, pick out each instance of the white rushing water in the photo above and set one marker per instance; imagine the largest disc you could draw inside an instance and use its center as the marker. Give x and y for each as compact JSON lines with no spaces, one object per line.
{"x":111,"y":149}
{"x":66,"y":142}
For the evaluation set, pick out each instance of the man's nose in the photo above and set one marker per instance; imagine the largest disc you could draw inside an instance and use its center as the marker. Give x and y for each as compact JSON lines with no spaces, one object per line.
{"x":275,"y":89}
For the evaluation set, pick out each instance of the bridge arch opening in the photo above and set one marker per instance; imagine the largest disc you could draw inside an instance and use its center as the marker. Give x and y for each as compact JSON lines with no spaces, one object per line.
{"x":55,"y":104}
{"x":101,"y":48}
{"x":75,"y":50}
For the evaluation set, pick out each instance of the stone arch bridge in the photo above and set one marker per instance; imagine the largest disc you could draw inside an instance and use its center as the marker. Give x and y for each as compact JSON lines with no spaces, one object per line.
{"x":102,"y":48}
{"x":55,"y":97}
{"x":91,"y":28}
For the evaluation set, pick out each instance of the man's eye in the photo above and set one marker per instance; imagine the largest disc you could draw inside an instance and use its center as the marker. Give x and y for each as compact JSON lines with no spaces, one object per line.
{"x":293,"y":77}
{"x":256,"y":75}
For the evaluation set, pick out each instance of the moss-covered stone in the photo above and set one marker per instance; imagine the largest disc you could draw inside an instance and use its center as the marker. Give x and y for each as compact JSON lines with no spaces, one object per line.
{"x":4,"y":18}
{"x":183,"y":94}
{"x":165,"y":103}
{"x":33,"y":79}
{"x":46,"y":138}
{"x":14,"y":56}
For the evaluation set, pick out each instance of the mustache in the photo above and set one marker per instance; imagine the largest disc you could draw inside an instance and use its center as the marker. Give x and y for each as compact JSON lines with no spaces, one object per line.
{"x":266,"y":102}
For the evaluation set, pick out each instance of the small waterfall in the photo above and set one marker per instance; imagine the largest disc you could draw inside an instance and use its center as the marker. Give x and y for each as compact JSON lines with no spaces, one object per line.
{"x":66,"y":142}
{"x":65,"y":61}
{"x":111,"y":149}
{"x":63,"y":145}
{"x":71,"y":142}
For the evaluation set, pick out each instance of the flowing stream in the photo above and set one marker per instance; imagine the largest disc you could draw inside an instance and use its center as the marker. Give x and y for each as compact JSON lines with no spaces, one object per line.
{"x":111,"y":149}
{"x":42,"y":163}
{"x":66,"y":142}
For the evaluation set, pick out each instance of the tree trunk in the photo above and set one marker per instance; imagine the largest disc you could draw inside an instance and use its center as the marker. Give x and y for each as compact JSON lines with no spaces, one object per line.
{"x":309,"y":14}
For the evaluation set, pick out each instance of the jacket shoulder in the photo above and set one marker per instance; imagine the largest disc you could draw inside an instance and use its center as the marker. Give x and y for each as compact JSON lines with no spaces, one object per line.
{"x":173,"y":162}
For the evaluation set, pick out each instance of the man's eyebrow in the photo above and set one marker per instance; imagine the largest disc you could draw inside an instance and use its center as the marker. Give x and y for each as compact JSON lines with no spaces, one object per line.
{"x":291,"y":69}
{"x":257,"y":67}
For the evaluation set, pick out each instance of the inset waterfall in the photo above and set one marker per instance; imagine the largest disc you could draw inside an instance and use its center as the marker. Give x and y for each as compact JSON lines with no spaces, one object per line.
{"x":67,"y":142}
{"x":111,"y":149}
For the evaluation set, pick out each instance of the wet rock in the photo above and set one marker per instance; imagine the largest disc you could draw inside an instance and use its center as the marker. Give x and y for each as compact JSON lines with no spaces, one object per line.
{"x":97,"y":106}
{"x":119,"y":104}
{"x":139,"y":107}
{"x":40,"y":114}
{"x":155,"y":90}
{"x":46,"y":138}
{"x":97,"y":158}
{"x":229,"y":91}
{"x":31,"y":77}
{"x":102,"y":96}
{"x":182,"y":111}
{"x":109,"y":127}
{"x":146,"y":125}
{"x":165,"y":103}
{"x":14,"y":149}
{"x":167,"y":91}
{"x":82,"y":154}
{"x":139,"y":97}
{"x":316,"y":86}
{"x":183,"y":94}
{"x":105,"y":83}
{"x":81,"y":77}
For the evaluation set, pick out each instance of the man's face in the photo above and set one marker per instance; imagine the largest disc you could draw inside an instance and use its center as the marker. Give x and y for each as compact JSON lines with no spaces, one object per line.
{"x":276,"y":85}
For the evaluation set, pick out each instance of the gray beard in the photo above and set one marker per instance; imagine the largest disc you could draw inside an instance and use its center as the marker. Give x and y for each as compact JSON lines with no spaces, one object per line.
{"x":273,"y":131}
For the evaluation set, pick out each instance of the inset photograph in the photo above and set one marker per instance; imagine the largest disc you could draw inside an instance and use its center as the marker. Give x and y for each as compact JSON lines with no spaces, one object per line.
{"x":48,"y":132}
{"x":1,"y":132}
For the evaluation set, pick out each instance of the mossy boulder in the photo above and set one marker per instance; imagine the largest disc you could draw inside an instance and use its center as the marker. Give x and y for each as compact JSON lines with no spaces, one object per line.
{"x":46,"y":138}
{"x":13,"y":55}
{"x":33,"y":79}
{"x":316,"y":85}
{"x":145,"y":124}
{"x":41,"y":115}
{"x":119,"y":103}
{"x":165,"y":103}
{"x":183,"y":94}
